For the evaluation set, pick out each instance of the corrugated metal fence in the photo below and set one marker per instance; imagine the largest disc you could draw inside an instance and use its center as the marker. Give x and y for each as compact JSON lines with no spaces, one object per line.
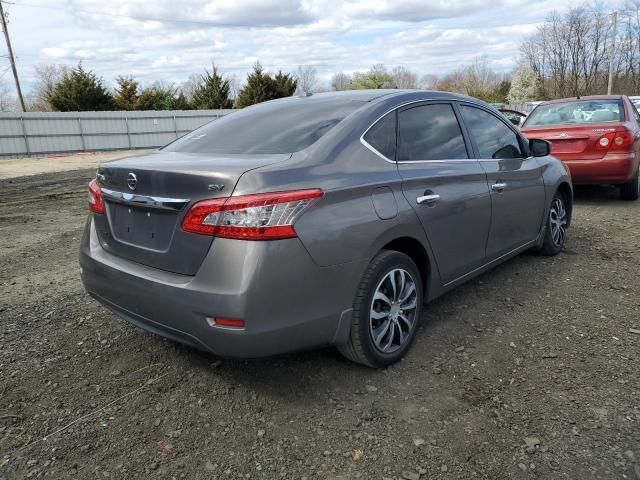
{"x":52,"y":132}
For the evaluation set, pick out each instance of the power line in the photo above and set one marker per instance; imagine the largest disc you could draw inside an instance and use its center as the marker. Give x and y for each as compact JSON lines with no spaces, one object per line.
{"x":4,"y":72}
{"x":3,"y":20}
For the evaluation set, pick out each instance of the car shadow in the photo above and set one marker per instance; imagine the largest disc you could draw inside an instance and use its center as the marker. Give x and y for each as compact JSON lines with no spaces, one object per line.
{"x":596,"y":194}
{"x":307,"y":377}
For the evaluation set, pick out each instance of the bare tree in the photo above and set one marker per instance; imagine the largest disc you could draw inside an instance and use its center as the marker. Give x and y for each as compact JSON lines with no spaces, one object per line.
{"x":190,"y":85}
{"x":340,"y":81}
{"x":47,"y":77}
{"x":479,"y":77}
{"x":235,"y":84}
{"x":570,"y":53}
{"x":404,"y":78}
{"x":7,"y":102}
{"x":307,"y":79}
{"x":429,"y":81}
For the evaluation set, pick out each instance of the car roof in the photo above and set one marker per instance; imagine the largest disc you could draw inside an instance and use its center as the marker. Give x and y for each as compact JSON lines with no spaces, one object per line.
{"x":586,"y":97}
{"x":374,"y":94}
{"x":346,"y":95}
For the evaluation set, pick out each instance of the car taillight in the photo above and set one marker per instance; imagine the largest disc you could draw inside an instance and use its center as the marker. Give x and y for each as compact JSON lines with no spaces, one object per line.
{"x":604,"y":142}
{"x":264,"y":216}
{"x":622,"y":140}
{"x":96,"y":205}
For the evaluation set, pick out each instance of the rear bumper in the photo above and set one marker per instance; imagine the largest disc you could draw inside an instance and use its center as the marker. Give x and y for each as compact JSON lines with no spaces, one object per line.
{"x":287,"y":301}
{"x":612,"y":168}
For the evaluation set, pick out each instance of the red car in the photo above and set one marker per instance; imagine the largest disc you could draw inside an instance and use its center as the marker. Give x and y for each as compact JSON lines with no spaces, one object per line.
{"x":597,"y":137}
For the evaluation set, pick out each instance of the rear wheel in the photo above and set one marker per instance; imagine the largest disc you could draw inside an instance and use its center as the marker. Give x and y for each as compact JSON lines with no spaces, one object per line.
{"x":631,"y":190}
{"x":386,"y":311}
{"x":557,"y":224}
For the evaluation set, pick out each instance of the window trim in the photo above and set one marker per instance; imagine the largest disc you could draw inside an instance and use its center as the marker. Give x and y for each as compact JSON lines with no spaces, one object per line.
{"x":426,"y":101}
{"x":370,"y":147}
{"x":374,"y":149}
{"x":524,"y":146}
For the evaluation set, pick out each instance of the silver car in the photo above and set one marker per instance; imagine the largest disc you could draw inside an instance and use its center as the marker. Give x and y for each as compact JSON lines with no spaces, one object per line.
{"x":329,"y":219}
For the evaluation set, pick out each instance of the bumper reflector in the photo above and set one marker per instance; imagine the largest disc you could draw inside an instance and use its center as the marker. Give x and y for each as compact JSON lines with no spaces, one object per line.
{"x":225,"y":322}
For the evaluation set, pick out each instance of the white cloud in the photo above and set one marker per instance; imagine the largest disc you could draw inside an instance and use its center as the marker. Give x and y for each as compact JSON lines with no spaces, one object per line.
{"x":168,"y":40}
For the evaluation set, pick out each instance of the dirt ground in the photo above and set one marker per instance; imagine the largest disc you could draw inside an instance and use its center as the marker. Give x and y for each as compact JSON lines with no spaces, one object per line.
{"x":18,"y":167}
{"x":530,"y":371}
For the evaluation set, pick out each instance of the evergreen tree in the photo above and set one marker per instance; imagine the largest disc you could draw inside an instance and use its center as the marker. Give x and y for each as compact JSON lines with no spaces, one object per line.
{"x":211,"y":91}
{"x":126,"y":95}
{"x":261,"y":87}
{"x":80,"y":90}
{"x":162,"y":97}
{"x":158,"y":97}
{"x":182,"y":102}
{"x":285,"y":84}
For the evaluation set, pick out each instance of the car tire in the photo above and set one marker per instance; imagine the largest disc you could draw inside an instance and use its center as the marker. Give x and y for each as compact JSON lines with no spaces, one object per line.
{"x":381,"y":302}
{"x":630,"y":191}
{"x":557,"y":223}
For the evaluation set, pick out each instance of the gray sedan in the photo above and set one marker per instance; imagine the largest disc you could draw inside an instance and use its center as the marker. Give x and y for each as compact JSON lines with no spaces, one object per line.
{"x":329,"y":219}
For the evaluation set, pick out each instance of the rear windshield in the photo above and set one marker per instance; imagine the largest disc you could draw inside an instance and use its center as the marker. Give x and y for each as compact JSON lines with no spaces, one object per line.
{"x":269,"y":128}
{"x":577,"y":112}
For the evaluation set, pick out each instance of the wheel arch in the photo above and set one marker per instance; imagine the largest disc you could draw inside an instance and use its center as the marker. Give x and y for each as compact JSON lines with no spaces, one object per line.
{"x":414,"y":249}
{"x":567,"y":194}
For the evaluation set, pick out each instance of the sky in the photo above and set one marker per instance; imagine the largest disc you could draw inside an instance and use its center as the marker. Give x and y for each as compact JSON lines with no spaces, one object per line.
{"x":169,"y":40}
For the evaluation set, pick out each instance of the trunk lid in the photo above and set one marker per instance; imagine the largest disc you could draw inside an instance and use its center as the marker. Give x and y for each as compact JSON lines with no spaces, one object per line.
{"x":571,"y":142}
{"x":146,"y":198}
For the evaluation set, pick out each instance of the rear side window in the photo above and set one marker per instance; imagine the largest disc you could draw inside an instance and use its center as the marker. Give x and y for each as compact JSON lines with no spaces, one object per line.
{"x":382,"y":136}
{"x":430,"y":132}
{"x":493,"y":138}
{"x":269,"y":128}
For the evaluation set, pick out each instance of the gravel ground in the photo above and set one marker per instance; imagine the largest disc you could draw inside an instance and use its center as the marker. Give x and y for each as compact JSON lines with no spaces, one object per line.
{"x":530,"y":371}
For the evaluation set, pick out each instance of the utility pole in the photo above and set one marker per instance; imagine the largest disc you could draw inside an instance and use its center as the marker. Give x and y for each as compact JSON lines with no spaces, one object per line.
{"x":11,"y":59}
{"x":612,"y":53}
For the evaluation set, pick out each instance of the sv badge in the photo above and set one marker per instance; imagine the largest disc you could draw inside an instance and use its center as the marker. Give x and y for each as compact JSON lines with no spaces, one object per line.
{"x":216,"y":187}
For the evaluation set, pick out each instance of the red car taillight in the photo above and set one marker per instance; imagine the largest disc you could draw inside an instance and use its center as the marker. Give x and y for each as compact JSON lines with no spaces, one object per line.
{"x":265,"y":216}
{"x":96,"y":205}
{"x":622,"y":140}
{"x":604,"y":142}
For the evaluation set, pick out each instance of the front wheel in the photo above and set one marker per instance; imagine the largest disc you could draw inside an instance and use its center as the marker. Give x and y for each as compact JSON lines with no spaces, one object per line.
{"x":631,"y":190}
{"x":557,"y":224}
{"x":386,"y":311}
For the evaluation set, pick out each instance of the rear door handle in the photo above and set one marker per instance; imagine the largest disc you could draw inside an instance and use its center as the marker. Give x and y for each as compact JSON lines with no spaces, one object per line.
{"x":498,"y":187}
{"x":428,"y":199}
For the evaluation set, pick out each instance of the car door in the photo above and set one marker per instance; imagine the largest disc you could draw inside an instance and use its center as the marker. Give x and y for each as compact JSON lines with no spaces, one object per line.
{"x":514,"y":179}
{"x":446,"y":188}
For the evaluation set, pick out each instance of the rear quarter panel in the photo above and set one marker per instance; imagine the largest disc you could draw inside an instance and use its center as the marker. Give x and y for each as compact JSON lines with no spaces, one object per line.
{"x":344,"y":225}
{"x":554,"y":174}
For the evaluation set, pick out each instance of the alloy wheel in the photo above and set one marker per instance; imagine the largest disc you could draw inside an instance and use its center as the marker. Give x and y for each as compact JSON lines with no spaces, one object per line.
{"x":558,"y":220}
{"x":393,"y":311}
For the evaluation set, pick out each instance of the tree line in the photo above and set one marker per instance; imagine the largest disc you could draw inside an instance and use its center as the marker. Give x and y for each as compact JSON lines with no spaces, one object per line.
{"x":64,"y":89}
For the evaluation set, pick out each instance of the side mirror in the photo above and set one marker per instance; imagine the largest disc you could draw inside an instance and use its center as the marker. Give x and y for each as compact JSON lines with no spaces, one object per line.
{"x":515,"y":120}
{"x":539,"y":147}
